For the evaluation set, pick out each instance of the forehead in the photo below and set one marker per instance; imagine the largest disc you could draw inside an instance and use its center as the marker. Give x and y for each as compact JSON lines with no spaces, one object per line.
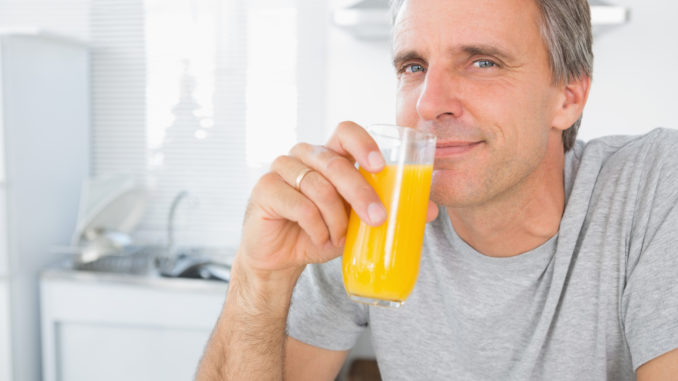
{"x":512,"y":25}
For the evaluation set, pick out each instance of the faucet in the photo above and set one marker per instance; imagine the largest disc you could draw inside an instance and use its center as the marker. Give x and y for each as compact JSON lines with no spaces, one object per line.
{"x":170,"y":220}
{"x":166,"y":262}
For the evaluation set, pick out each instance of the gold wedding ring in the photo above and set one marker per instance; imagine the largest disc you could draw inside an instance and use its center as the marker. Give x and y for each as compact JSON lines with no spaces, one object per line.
{"x":300,"y":178}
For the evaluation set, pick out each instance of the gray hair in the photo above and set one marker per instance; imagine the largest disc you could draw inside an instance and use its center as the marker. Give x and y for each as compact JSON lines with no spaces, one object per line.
{"x":566,"y":30}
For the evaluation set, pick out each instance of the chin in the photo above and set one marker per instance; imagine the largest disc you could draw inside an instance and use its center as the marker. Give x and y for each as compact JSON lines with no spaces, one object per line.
{"x":452,"y":195}
{"x":444,"y":188}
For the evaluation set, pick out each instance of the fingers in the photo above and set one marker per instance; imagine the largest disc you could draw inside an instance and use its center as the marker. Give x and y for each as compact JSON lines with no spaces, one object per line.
{"x":332,"y":183}
{"x":340,"y":172}
{"x":320,"y":191}
{"x":351,"y":140}
{"x":290,"y":205}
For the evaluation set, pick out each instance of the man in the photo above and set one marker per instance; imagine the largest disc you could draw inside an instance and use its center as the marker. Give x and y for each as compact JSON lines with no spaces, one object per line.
{"x":545,"y":259}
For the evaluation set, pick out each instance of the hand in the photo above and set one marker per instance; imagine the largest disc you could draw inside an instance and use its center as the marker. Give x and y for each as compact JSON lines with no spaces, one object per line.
{"x":286,"y":228}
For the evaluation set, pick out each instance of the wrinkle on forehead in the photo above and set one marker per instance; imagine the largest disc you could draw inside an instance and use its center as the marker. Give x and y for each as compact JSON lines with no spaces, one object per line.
{"x":509,"y":29}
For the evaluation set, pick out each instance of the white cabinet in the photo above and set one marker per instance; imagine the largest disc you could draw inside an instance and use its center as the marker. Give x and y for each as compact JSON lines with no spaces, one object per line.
{"x":44,"y":157}
{"x":110,"y":327}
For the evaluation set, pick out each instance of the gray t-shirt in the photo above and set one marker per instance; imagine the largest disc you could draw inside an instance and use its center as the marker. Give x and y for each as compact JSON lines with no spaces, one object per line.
{"x":594,"y":302}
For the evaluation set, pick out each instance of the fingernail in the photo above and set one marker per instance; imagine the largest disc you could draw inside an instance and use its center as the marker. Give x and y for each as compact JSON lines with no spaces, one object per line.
{"x":341,"y":242}
{"x":376,"y":160}
{"x":376,"y":212}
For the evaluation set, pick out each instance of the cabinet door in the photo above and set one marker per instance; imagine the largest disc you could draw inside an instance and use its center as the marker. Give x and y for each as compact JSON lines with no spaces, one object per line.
{"x":107,"y":352}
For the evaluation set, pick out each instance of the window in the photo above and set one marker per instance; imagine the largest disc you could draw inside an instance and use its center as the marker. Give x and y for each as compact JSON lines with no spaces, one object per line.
{"x":200,"y":96}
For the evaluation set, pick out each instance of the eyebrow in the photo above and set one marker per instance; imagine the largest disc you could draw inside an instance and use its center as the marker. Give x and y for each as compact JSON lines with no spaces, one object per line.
{"x":408,"y":55}
{"x":486,"y":50}
{"x":468,"y":50}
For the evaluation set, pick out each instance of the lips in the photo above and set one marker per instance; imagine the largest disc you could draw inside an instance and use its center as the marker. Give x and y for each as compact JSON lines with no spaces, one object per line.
{"x":455,"y":148}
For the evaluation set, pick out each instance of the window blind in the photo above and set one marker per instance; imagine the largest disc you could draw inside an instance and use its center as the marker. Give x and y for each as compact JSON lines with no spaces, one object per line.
{"x":237,"y":86}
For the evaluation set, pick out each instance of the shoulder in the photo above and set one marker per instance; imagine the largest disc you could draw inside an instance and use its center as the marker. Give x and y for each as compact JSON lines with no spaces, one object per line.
{"x":656,"y":145}
{"x":628,"y":181}
{"x":647,"y":154}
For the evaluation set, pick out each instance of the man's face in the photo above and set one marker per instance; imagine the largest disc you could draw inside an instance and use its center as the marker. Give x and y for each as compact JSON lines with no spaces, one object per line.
{"x":476,"y":74}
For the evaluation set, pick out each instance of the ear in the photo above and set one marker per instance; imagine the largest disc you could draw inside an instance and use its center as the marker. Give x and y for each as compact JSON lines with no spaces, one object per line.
{"x":571,"y":102}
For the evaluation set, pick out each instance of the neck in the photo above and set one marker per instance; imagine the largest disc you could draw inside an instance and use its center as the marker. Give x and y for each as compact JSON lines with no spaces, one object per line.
{"x":522,"y":218}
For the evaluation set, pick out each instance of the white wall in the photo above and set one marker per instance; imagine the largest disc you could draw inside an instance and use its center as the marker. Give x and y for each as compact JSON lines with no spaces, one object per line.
{"x":635,"y":80}
{"x":361,"y":80}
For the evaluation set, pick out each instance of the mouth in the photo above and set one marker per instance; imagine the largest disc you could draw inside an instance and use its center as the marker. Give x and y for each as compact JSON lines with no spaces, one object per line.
{"x":455,"y":148}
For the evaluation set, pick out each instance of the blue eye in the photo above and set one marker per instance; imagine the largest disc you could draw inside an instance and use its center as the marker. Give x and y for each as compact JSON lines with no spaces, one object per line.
{"x":484,"y":64}
{"x":413,"y":68}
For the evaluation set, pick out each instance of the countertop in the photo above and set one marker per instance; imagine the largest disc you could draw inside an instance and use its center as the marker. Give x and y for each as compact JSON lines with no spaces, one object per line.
{"x":143,"y":275}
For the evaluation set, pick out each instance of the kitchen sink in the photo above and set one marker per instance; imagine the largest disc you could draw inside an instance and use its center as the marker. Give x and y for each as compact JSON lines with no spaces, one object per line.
{"x":131,"y":260}
{"x":193,"y":263}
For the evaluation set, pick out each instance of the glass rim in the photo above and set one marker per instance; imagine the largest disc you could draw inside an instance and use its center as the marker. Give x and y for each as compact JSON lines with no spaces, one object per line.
{"x":419,"y":134}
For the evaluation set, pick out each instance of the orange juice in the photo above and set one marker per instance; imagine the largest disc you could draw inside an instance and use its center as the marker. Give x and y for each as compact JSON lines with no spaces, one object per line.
{"x":383,"y":262}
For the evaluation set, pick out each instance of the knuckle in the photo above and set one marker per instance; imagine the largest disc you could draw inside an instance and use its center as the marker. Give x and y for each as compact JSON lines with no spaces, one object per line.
{"x":340,"y":230}
{"x":336,"y":164}
{"x":365,"y":193}
{"x":321,"y":152}
{"x":308,"y":212}
{"x":299,"y":148}
{"x":341,"y":129}
{"x":340,"y":220}
{"x":267,"y":181}
{"x":346,"y":125}
{"x":315,"y":155}
{"x":279,"y":162}
{"x":326,"y":192}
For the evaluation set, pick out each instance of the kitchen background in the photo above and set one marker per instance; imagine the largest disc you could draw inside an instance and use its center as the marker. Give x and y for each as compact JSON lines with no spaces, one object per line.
{"x":152,"y":119}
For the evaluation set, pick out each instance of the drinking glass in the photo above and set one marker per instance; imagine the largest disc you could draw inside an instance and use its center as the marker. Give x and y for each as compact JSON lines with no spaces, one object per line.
{"x":380,"y":264}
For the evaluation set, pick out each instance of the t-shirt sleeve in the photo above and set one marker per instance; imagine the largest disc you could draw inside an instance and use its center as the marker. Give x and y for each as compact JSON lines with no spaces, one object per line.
{"x":321,"y":313}
{"x":650,"y":296}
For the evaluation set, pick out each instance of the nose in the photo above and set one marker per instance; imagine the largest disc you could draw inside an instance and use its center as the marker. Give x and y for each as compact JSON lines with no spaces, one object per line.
{"x":439,"y":97}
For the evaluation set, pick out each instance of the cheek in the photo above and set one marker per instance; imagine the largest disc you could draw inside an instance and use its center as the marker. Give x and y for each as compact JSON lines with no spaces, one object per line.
{"x":513,"y":115}
{"x":406,"y":106}
{"x":530,"y":126}
{"x":490,"y":105}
